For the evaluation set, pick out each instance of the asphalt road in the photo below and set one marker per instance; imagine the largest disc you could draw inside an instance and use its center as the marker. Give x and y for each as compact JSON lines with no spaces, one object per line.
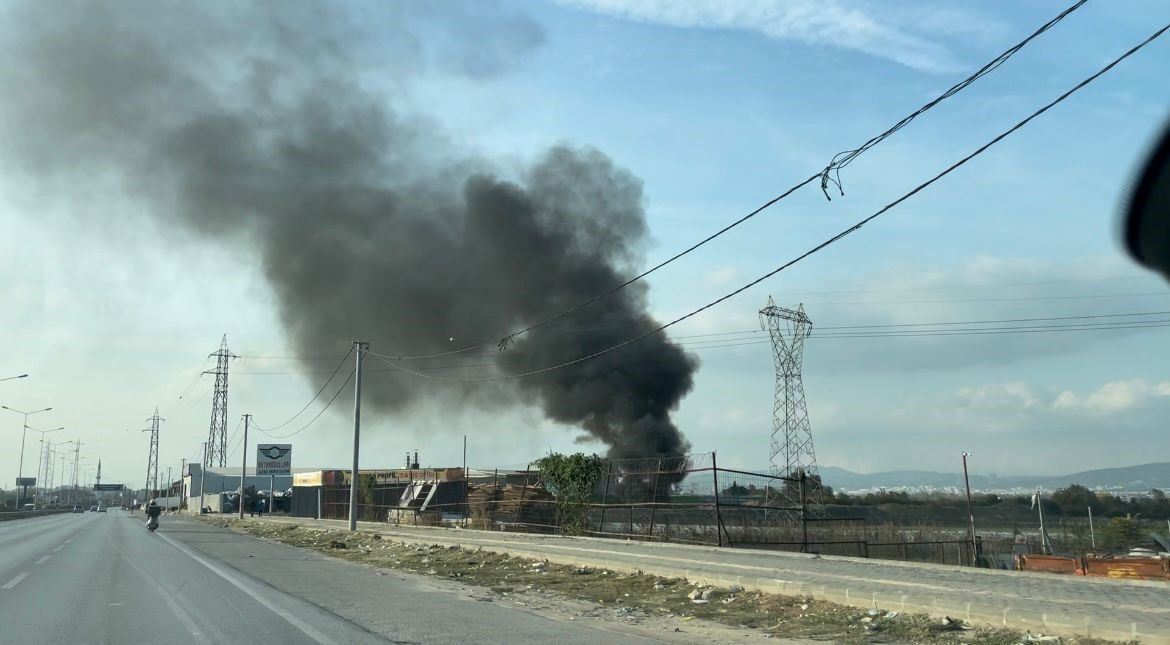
{"x":1027,"y":601}
{"x":103,"y":578}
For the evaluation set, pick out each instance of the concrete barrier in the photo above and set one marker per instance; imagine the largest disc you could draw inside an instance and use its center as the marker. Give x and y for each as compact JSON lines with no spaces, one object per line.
{"x":20,"y":515}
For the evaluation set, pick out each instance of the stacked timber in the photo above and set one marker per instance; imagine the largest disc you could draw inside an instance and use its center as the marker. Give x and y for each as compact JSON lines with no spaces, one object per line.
{"x":510,"y":507}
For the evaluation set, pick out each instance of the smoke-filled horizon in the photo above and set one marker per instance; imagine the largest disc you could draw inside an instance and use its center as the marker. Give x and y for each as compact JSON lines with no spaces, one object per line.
{"x":262,"y":128}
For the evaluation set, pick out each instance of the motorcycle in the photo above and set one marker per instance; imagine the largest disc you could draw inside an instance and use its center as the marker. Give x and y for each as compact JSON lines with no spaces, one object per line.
{"x":152,"y":524}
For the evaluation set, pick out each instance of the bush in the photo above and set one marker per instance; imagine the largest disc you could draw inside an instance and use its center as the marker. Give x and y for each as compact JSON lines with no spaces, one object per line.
{"x":571,"y":478}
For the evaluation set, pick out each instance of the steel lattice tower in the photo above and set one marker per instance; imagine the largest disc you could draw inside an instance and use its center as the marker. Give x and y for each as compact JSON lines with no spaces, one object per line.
{"x":792,"y":441}
{"x":152,"y":459}
{"x":46,"y":467}
{"x":216,"y":451}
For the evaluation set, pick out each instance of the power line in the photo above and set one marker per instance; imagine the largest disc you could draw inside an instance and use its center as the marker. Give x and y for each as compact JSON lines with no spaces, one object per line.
{"x":179,"y":401}
{"x":322,"y":389}
{"x":846,"y":331}
{"x":1142,"y":294}
{"x":942,"y":324}
{"x":314,"y":419}
{"x":974,"y":332}
{"x":819,"y":247}
{"x":845,"y":158}
{"x":835,"y":164}
{"x":989,"y":285}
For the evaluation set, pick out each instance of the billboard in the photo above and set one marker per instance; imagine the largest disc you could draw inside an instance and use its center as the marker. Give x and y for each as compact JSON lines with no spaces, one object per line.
{"x":109,"y":487}
{"x":26,"y":481}
{"x":274,"y":459}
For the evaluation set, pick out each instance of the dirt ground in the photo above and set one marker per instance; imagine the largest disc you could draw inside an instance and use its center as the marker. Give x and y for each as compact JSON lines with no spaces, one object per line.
{"x":671,"y":609}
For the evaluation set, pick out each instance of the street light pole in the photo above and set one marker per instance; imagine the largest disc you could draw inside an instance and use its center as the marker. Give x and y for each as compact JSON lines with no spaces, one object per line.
{"x":970,"y":510}
{"x":9,"y":378}
{"x":23,"y":432}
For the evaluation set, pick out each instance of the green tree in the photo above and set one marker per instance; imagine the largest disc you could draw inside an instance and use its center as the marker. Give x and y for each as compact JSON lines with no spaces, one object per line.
{"x":1121,"y":533}
{"x":735,"y":490}
{"x":572,"y":480}
{"x":1076,"y":500}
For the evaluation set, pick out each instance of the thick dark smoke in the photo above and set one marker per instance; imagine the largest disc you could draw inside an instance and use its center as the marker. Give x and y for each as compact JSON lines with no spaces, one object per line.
{"x":272,"y":127}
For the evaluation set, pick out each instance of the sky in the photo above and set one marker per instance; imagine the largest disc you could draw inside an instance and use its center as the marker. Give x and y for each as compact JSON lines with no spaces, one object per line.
{"x":715,"y":107}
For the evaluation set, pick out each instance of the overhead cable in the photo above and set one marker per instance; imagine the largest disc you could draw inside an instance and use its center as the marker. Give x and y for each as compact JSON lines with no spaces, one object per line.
{"x":816,"y":249}
{"x":838,"y":161}
{"x":319,"y":391}
{"x":318,"y":416}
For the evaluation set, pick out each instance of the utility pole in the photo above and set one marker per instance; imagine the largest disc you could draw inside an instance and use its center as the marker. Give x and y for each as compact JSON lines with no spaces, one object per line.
{"x":152,"y":457}
{"x":360,"y":348}
{"x":970,"y":511}
{"x":217,"y":436}
{"x":244,"y":463}
{"x":73,"y":479}
{"x":202,"y":476}
{"x":61,"y":483}
{"x":1043,"y":533}
{"x":182,"y":481}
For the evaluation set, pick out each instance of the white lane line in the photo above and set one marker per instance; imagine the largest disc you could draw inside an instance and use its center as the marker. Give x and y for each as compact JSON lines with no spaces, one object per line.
{"x":255,"y":593}
{"x":15,"y":581}
{"x":176,"y":609}
{"x":43,"y":559}
{"x":58,"y":548}
{"x":68,"y":541}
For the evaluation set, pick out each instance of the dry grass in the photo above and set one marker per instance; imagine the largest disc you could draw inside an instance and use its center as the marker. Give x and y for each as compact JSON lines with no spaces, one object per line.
{"x":631,"y":596}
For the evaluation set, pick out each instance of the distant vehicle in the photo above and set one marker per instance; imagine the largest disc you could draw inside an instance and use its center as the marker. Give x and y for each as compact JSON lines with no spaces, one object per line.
{"x":30,"y":507}
{"x":93,"y":509}
{"x":78,"y":509}
{"x":101,"y":509}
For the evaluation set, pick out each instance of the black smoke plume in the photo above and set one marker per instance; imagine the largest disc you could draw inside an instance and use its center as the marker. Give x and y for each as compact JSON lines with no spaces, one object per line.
{"x":272,"y":125}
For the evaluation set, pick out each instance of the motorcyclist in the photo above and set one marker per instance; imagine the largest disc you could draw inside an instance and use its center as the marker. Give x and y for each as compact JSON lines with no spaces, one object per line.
{"x":153,"y":510}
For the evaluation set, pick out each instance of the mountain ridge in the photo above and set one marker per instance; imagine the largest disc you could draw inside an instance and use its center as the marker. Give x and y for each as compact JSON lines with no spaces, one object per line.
{"x":1137,"y":478}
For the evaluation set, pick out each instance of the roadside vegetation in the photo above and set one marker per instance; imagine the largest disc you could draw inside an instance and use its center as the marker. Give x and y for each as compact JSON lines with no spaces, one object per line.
{"x":631,"y":597}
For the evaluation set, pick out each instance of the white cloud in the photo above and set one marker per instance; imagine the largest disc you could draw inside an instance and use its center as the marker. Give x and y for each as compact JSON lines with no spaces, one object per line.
{"x":1000,"y":395}
{"x":723,"y":276}
{"x":1115,"y":396}
{"x":899,"y":37}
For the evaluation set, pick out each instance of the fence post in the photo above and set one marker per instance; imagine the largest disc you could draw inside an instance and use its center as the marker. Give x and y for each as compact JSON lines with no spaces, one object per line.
{"x":803,"y":515}
{"x":523,"y":495}
{"x":654,"y":498}
{"x":719,"y":528}
{"x":494,"y":501}
{"x":605,"y":497}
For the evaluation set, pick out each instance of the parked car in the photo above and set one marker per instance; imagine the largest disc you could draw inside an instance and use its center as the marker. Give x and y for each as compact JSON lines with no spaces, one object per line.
{"x":101,"y":509}
{"x":78,"y":509}
{"x":93,"y":509}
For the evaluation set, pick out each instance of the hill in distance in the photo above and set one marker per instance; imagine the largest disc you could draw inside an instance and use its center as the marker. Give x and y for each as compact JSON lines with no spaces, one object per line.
{"x":1128,"y":478}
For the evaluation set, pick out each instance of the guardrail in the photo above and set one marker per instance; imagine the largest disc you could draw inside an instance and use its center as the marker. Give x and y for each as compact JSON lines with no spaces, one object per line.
{"x":20,"y":515}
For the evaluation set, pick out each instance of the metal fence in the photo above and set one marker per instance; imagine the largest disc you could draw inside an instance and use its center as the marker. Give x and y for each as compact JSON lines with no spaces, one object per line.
{"x":688,"y":499}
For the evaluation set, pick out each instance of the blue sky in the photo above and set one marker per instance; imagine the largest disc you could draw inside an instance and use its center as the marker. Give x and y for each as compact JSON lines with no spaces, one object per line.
{"x":716,"y":110}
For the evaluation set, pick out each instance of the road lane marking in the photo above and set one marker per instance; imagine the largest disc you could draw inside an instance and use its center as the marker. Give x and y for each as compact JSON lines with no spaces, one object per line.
{"x":176,"y":609}
{"x":255,"y":593}
{"x":43,"y":559}
{"x":68,"y":541}
{"x":59,"y":546}
{"x":15,"y":581}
